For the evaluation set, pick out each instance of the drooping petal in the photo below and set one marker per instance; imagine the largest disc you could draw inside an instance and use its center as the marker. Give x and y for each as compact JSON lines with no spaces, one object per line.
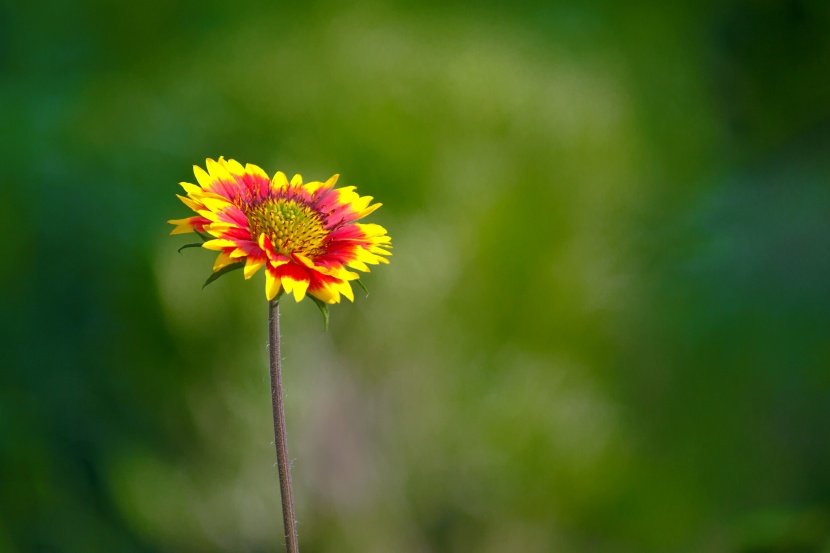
{"x":294,"y":279}
{"x":324,"y":293}
{"x":272,"y":283}
{"x":252,"y":265}
{"x":222,"y":261}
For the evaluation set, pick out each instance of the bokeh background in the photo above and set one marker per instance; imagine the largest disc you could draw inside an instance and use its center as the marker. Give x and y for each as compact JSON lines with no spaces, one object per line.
{"x":605,"y":327}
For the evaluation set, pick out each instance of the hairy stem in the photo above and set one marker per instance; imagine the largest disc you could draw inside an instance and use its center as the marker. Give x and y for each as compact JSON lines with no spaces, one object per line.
{"x":288,"y":517}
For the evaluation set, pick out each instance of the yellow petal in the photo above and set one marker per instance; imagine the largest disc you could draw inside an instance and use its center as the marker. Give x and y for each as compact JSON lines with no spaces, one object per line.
{"x":297,"y":179}
{"x":359,"y":265}
{"x":214,"y":195}
{"x":256,"y":170}
{"x":360,"y":204}
{"x":252,"y":265}
{"x":304,"y":260}
{"x":218,"y":244}
{"x":190,"y":203}
{"x":279,"y":179}
{"x":232,"y":166}
{"x":366,"y":257}
{"x":272,"y":286}
{"x":344,"y":274}
{"x":222,"y":226}
{"x":368,"y":210}
{"x":371,"y":229}
{"x":298,"y":287}
{"x":346,"y":289}
{"x":311,"y":186}
{"x":215,"y":204}
{"x":202,"y":178}
{"x":326,"y":294}
{"x":223,"y":260}
{"x":218,"y":172}
{"x":191,"y":189}
{"x":182,"y":226}
{"x":209,"y":215}
{"x":347,"y":195}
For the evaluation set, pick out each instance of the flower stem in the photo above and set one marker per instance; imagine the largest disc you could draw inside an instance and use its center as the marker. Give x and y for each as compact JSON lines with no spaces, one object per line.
{"x":288,"y":517}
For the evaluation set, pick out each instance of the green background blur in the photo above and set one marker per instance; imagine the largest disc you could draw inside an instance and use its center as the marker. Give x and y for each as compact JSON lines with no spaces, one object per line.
{"x":605,"y":327}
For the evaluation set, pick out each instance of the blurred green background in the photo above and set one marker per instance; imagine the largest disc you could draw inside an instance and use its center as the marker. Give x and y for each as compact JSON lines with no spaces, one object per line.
{"x":605,"y":327}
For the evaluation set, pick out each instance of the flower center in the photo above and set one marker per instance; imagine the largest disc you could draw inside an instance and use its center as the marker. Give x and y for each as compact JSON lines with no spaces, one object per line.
{"x":293,"y":227}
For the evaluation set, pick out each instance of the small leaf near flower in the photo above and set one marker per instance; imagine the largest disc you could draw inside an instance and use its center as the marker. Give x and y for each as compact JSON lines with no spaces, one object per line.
{"x":191,"y":245}
{"x":324,"y":309}
{"x":222,"y":271}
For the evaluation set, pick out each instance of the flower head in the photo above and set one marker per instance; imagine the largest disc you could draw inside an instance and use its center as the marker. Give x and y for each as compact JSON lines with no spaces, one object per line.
{"x":305,"y":235}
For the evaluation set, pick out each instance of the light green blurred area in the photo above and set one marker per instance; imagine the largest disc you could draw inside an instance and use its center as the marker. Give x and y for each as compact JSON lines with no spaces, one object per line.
{"x":605,"y":323}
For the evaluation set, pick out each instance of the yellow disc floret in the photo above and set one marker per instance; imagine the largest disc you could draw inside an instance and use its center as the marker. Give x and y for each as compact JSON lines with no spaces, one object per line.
{"x":292,"y":226}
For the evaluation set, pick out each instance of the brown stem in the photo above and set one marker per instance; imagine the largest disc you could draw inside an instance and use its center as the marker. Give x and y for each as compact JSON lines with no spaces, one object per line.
{"x":288,"y":517}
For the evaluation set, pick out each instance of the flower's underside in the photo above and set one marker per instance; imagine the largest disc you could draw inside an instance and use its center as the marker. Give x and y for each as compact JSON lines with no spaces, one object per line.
{"x":305,"y":235}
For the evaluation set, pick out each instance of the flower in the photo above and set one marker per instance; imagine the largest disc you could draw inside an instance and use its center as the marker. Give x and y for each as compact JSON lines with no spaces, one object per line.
{"x":304,"y":234}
